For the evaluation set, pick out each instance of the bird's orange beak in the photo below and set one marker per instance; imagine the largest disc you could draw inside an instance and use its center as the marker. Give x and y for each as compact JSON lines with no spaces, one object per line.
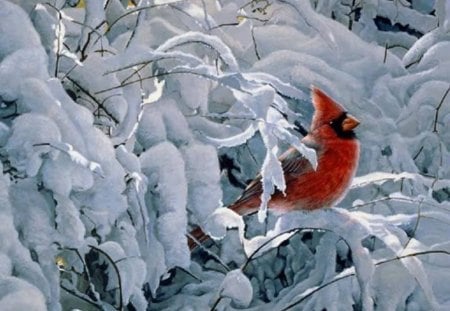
{"x":349,"y":123}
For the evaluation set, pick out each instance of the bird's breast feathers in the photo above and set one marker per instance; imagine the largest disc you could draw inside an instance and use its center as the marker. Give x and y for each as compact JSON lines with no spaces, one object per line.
{"x":325,"y":186}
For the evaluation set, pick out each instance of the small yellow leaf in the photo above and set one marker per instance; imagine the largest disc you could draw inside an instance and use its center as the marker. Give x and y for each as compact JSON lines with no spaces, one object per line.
{"x":240,"y":18}
{"x":60,"y":262}
{"x":80,"y":4}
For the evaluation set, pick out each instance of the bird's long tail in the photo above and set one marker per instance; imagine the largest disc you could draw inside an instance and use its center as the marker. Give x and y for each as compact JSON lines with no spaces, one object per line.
{"x":197,"y":237}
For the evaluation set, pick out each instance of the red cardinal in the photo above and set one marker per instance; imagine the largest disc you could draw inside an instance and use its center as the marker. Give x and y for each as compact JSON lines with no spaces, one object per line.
{"x":337,"y":149}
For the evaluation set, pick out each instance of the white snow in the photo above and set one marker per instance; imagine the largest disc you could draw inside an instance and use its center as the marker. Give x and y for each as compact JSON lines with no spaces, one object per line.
{"x":123,"y":127}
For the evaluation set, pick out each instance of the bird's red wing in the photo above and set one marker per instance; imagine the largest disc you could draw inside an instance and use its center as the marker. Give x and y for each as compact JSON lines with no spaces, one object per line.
{"x":249,"y":197}
{"x":293,"y":164}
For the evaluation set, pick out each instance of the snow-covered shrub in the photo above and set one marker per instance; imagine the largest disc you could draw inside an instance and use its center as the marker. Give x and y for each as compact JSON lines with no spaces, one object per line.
{"x":125,"y":125}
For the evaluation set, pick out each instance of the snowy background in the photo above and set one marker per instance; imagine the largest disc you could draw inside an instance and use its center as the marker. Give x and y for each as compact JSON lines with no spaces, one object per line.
{"x":124,"y":124}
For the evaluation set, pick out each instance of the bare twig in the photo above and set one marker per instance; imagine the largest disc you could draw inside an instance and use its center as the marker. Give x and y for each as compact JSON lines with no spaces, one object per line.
{"x":416,"y":225}
{"x":262,"y":20}
{"x":255,"y":44}
{"x":216,"y":303}
{"x":205,"y":15}
{"x":250,"y":258}
{"x":132,"y":12}
{"x":157,"y":75}
{"x":198,"y":42}
{"x":135,"y":72}
{"x":194,"y":19}
{"x":418,"y":153}
{"x":88,"y":40}
{"x":436,"y":115}
{"x":225,"y":25}
{"x":390,"y":199}
{"x":85,"y":271}
{"x":99,"y":104}
{"x":214,"y":256}
{"x":105,"y":6}
{"x":82,"y":297}
{"x":382,"y":262}
{"x":116,"y":269}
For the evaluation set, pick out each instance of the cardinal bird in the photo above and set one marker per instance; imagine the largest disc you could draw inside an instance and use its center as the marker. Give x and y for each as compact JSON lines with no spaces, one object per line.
{"x":337,"y":149}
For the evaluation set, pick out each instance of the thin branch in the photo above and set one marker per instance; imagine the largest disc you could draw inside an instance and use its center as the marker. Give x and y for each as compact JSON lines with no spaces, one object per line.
{"x":250,"y":258}
{"x":198,"y":42}
{"x":418,"y":153}
{"x":104,"y":51}
{"x":389,"y":199}
{"x":416,"y":225}
{"x":161,"y":74}
{"x":216,"y":303}
{"x":194,"y":19}
{"x":85,"y":270}
{"x":135,"y":72}
{"x":225,"y":25}
{"x":88,"y":40}
{"x":436,"y":115}
{"x":214,"y":256}
{"x":92,"y":29}
{"x":286,"y":232}
{"x":116,"y":269}
{"x":82,"y":297}
{"x":192,"y":275}
{"x":414,"y":62}
{"x":157,"y":75}
{"x":351,"y":16}
{"x":262,"y":20}
{"x":255,"y":44}
{"x":205,"y":14}
{"x":397,"y":258}
{"x":105,"y":6}
{"x":132,"y":12}
{"x":99,"y":104}
{"x":145,"y":63}
{"x":135,"y":29}
{"x":305,"y":19}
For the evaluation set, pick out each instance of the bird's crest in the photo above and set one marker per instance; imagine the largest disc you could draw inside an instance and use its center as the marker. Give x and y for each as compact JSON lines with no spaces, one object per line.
{"x":326,"y":109}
